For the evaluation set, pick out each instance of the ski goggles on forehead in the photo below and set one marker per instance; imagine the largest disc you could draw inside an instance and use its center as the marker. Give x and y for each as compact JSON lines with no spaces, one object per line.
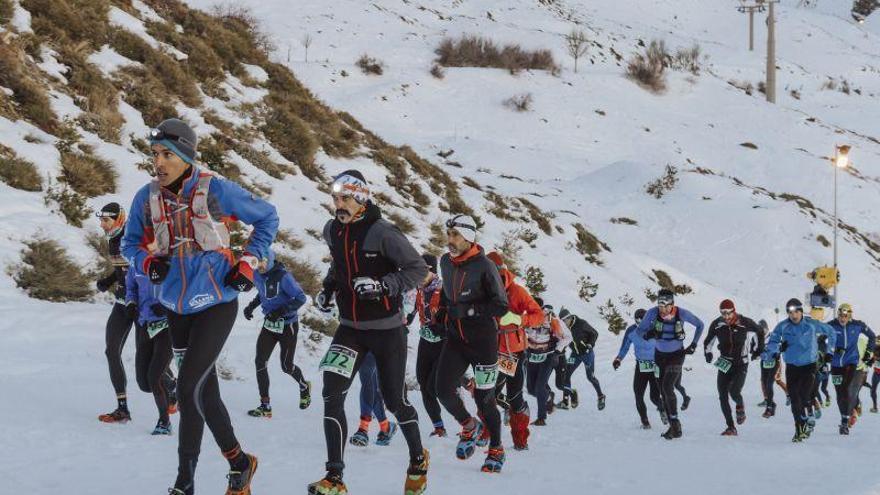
{"x":161,"y":135}
{"x":452,"y":224}
{"x":664,"y":303}
{"x":727,"y":312}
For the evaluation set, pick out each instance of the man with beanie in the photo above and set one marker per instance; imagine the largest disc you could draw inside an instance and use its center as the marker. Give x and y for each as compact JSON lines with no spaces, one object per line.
{"x":584,"y":338}
{"x":665,"y":323}
{"x":472,"y":298}
{"x":846,"y":360}
{"x":732,"y":332}
{"x":112,"y":219}
{"x":522,"y":313}
{"x":796,"y":339}
{"x":431,"y":335}
{"x":372,"y":266}
{"x":178,"y":236}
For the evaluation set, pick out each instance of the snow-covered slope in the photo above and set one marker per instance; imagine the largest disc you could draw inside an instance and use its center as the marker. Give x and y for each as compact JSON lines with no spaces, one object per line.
{"x":583,"y":154}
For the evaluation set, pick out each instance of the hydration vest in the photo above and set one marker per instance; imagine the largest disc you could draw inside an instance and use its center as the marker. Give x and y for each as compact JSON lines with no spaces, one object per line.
{"x":207,"y":234}
{"x":678,"y":334}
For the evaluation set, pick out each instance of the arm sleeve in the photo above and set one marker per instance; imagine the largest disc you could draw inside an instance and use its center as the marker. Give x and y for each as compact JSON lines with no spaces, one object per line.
{"x":751,"y":326}
{"x":828,"y":330}
{"x":710,"y":336}
{"x":253,"y":304}
{"x":647,"y":322}
{"x":872,"y":338}
{"x":138,"y":232}
{"x":497,"y":305}
{"x":627,"y":341}
{"x":131,"y":291}
{"x":775,"y":339}
{"x":525,"y":306}
{"x":562,"y":332}
{"x":411,"y":268}
{"x":290,"y":287}
{"x":696,"y":322}
{"x":241,"y":205}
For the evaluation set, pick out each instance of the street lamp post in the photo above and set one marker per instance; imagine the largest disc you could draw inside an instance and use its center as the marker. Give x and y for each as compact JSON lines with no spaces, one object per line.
{"x":841,"y":160}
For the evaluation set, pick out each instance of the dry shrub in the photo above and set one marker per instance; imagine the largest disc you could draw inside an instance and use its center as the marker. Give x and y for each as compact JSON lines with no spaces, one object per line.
{"x":7,"y":10}
{"x":47,"y":272}
{"x":401,"y":222}
{"x":477,"y":51}
{"x":589,"y":245}
{"x":649,"y":69}
{"x":88,"y":174}
{"x":98,"y":99}
{"x":29,"y":95}
{"x":520,"y":103}
{"x":370,"y":65}
{"x":305,"y":273}
{"x":19,"y":173}
{"x":70,"y":21}
{"x":146,"y":94}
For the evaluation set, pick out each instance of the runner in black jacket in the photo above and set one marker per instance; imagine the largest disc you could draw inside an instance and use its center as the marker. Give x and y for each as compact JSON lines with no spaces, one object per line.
{"x":373,"y":265}
{"x":472,"y":297}
{"x":731,"y":330}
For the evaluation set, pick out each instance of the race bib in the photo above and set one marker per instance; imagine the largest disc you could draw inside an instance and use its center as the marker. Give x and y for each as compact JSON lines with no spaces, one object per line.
{"x":275,"y":326}
{"x":769,"y":364}
{"x":571,"y":361}
{"x":340,"y":360}
{"x":485,"y":376}
{"x":647,"y":366}
{"x":507,"y":364}
{"x":429,"y":336}
{"x":723,"y":364}
{"x":656,"y":371}
{"x":155,"y":327}
{"x":538,"y":358}
{"x":836,"y":379}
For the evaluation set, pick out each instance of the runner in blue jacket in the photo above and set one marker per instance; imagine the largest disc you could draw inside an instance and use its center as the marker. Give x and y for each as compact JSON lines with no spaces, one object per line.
{"x":644,"y":375}
{"x":665,"y":323}
{"x":796,"y":339}
{"x":846,"y":359}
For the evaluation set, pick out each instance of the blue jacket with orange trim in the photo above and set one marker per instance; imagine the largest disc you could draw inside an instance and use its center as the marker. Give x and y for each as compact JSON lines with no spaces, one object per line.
{"x":195,"y":277}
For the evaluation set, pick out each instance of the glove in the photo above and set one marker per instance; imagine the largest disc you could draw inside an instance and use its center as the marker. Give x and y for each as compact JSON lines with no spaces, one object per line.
{"x":709,"y":357}
{"x":511,"y":318}
{"x":828,"y":359}
{"x":755,"y":355}
{"x":868,"y":358}
{"x":131,"y":311}
{"x":241,"y":277}
{"x":369,"y":289}
{"x":276,"y":314}
{"x":410,"y":318}
{"x":651,"y":334}
{"x":588,"y":348}
{"x":248,"y":313}
{"x":158,"y":309}
{"x":103,"y":285}
{"x":691,"y":348}
{"x":615,"y":364}
{"x":784,"y":346}
{"x":156,"y":268}
{"x":826,"y":368}
{"x":324,"y":301}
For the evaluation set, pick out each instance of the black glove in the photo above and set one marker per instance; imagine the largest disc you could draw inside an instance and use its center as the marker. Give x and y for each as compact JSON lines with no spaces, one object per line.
{"x":324,"y":301}
{"x":410,"y":318}
{"x":131,"y":311}
{"x":755,"y":355}
{"x":248,"y":313}
{"x":691,"y":348}
{"x":369,"y":289}
{"x":784,"y":346}
{"x":157,"y":269}
{"x":868,"y":358}
{"x":828,"y":358}
{"x":651,"y":334}
{"x":276,"y":314}
{"x":158,"y":309}
{"x":615,"y":364}
{"x":709,"y":357}
{"x":240,"y":277}
{"x":588,"y":348}
{"x":103,"y":285}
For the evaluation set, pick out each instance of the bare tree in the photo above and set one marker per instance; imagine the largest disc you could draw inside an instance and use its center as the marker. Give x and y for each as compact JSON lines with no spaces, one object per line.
{"x":577,"y":45}
{"x":306,"y":43}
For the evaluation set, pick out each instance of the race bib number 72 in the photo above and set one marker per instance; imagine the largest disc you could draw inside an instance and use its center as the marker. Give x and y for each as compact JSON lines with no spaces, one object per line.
{"x":340,"y":360}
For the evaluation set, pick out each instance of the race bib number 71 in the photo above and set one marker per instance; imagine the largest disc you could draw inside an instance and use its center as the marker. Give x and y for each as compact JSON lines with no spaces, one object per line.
{"x":340,"y":360}
{"x":485,"y":376}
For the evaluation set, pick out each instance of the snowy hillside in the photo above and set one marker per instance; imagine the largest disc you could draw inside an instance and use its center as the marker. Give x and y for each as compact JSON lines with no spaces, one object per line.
{"x":746,"y":218}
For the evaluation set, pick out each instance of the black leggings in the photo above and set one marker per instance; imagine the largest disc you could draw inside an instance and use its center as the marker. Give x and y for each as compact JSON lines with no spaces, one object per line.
{"x":266,"y":342}
{"x":201,"y":337}
{"x":844,"y":396}
{"x":538,"y":380}
{"x":426,"y":373}
{"x":670,"y":364}
{"x":115,"y":335}
{"x":151,"y":365}
{"x":800,"y":389}
{"x":389,"y":349}
{"x":514,"y":384}
{"x":454,"y":360}
{"x":768,"y":380}
{"x":875,"y":380}
{"x":642,"y":381}
{"x":730,"y":386}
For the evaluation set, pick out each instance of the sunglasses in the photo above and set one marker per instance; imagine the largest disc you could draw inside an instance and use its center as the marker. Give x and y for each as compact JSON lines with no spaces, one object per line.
{"x":160,"y":135}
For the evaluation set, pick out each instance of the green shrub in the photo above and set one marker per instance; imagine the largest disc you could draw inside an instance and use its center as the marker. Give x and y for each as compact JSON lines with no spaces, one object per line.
{"x":47,"y":272}
{"x":72,"y":205}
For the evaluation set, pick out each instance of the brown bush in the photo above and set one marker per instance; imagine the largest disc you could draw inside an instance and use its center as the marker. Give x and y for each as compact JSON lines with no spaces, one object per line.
{"x":519,"y":103}
{"x":401,"y":222}
{"x":88,"y":174}
{"x":323,"y":326}
{"x":29,"y":94}
{"x":370,"y":65}
{"x":47,"y":272}
{"x":649,"y":69}
{"x":261,"y":160}
{"x":306,"y":274}
{"x":437,"y":71}
{"x":589,"y":245}
{"x":70,"y":21}
{"x":146,"y":94}
{"x":476,"y":51}
{"x":19,"y":173}
{"x":212,"y":153}
{"x":7,"y":10}
{"x":99,"y":96}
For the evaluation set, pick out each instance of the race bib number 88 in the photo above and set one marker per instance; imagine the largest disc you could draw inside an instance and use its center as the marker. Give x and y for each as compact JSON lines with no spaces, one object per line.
{"x":340,"y":360}
{"x":485,"y":376}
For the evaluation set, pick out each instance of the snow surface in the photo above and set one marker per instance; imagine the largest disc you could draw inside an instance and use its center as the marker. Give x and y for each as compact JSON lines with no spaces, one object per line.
{"x":721,"y":238}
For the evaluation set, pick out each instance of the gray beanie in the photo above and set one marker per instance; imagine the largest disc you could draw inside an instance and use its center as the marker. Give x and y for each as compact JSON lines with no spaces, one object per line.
{"x":178,"y":137}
